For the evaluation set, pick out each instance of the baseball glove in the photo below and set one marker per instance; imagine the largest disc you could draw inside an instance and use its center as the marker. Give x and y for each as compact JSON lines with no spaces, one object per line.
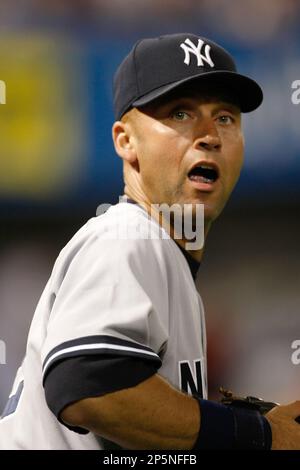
{"x":251,"y":403}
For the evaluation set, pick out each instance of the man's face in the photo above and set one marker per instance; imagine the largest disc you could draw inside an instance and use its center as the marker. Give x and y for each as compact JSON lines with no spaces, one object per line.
{"x":189,"y":149}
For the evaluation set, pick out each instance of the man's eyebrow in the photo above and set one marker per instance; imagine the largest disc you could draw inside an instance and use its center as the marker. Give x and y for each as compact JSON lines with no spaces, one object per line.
{"x":234,"y":107}
{"x":178,"y":101}
{"x":167,"y":103}
{"x":189,"y":102}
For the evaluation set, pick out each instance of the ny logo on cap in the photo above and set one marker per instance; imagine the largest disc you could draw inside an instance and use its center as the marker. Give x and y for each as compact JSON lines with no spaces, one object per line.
{"x":189,"y":48}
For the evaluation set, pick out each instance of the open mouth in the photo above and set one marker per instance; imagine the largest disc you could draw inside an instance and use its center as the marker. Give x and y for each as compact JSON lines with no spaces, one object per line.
{"x":203,"y":173}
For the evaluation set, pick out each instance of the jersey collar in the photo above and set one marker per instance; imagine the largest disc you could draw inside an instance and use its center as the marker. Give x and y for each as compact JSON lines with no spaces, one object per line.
{"x":192,"y":262}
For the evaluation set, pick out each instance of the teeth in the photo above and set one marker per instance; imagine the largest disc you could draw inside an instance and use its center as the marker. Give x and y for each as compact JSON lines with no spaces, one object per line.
{"x":201,"y":178}
{"x":207,"y":167}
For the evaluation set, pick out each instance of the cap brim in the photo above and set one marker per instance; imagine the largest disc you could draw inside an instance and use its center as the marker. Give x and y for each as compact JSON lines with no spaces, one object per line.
{"x":246,"y":91}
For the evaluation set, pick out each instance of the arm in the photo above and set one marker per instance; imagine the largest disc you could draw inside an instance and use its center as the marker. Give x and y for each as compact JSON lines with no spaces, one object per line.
{"x":154,"y":415}
{"x":151,"y":415}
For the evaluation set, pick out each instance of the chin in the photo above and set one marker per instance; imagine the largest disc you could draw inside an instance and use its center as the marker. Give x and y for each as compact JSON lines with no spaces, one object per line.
{"x":211,"y":213}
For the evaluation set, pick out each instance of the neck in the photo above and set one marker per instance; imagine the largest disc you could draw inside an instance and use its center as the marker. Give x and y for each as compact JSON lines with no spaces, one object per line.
{"x":169,"y":227}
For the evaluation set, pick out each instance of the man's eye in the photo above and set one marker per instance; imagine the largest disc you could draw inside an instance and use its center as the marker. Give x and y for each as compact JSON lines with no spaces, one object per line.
{"x":226,"y":119}
{"x":180,"y":115}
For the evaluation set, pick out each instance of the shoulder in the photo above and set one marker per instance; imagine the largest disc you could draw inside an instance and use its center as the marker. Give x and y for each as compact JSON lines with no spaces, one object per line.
{"x":122,"y":236}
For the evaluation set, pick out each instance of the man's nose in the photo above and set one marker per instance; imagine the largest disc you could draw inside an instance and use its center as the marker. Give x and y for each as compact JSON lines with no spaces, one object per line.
{"x":208,"y":140}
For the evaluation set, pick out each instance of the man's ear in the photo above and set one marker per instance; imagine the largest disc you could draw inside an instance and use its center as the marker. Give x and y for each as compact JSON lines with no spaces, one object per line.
{"x":123,"y":142}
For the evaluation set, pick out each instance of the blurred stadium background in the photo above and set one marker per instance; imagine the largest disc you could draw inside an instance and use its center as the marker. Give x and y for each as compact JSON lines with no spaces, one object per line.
{"x":57,"y":165}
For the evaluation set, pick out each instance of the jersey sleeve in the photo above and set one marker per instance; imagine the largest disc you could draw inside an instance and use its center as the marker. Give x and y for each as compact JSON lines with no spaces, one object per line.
{"x":109,"y":315}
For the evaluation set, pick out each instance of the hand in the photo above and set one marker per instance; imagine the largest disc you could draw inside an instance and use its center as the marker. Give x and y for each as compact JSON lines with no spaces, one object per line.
{"x":285,"y":430}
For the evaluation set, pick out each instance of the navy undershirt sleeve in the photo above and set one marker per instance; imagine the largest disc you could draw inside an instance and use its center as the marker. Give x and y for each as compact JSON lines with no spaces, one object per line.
{"x":76,"y":378}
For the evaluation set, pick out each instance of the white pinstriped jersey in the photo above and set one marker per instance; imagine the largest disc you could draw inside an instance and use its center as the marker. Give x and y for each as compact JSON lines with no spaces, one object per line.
{"x":114,"y":311}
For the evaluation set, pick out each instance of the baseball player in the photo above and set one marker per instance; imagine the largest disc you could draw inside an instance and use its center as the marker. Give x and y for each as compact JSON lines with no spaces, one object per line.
{"x":116,"y":353}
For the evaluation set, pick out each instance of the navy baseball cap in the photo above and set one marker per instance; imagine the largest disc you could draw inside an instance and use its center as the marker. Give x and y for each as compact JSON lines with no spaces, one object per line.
{"x":156,"y":66}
